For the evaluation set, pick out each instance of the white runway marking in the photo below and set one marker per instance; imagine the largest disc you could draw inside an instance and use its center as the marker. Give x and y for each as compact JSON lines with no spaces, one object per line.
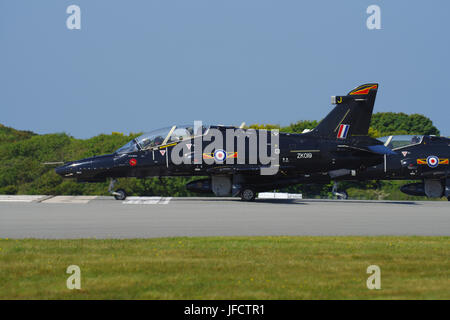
{"x":19,"y":198}
{"x":147,"y":200}
{"x":279,"y":195}
{"x":70,"y":199}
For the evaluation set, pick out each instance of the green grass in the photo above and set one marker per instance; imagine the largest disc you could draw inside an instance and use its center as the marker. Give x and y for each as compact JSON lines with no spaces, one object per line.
{"x":227,"y":268}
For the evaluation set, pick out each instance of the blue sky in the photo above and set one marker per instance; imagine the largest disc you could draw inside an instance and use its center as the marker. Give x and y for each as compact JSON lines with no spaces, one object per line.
{"x":139,"y":65}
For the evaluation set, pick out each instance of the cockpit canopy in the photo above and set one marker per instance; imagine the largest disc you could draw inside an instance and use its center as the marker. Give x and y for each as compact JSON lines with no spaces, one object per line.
{"x":394,"y":142}
{"x":162,"y":136}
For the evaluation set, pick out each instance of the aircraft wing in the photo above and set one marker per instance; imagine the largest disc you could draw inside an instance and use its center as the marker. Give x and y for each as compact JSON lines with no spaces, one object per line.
{"x":376,"y":149}
{"x":249,"y":169}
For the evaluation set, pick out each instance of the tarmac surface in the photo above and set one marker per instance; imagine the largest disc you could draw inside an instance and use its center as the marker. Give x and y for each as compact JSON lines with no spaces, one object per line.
{"x":64,"y":217}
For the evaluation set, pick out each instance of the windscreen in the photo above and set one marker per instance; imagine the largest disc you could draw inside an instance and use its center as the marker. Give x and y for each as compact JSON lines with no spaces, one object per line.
{"x":129,"y":147}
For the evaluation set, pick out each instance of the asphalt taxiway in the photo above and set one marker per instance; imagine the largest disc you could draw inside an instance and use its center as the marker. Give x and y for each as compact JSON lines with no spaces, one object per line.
{"x":147,"y":217}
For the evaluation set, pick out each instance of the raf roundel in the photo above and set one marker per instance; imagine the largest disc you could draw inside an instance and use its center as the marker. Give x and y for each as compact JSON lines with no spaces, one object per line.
{"x":433,"y":161}
{"x":133,"y":162}
{"x":220,"y":155}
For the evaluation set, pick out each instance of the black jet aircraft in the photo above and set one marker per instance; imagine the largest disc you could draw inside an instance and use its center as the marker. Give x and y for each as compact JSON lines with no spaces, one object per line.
{"x":236,"y":160}
{"x":415,"y":157}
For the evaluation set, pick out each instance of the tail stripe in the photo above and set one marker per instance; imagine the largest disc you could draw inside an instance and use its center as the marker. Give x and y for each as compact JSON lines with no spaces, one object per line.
{"x":364,"y":89}
{"x":343,"y":118}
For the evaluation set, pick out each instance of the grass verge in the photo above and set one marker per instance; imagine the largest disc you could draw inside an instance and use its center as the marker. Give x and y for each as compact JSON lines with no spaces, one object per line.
{"x":227,"y":268}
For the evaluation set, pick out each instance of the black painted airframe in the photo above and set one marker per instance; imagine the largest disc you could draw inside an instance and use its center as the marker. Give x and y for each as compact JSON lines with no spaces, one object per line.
{"x":415,"y":157}
{"x":251,"y":160}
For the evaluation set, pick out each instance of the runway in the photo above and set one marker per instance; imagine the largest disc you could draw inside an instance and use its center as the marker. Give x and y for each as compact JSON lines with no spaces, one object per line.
{"x":148,"y":217}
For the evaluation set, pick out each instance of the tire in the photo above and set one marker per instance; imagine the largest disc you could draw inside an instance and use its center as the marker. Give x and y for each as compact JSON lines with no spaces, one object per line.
{"x":248,"y":194}
{"x":448,"y":198}
{"x":120,"y":194}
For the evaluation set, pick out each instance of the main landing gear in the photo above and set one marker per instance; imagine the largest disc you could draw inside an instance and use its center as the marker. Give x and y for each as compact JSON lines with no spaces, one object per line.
{"x":248,"y":194}
{"x":119,"y":194}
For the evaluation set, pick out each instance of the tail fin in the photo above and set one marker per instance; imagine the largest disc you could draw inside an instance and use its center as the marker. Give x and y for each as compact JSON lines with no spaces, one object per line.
{"x":352,"y":114}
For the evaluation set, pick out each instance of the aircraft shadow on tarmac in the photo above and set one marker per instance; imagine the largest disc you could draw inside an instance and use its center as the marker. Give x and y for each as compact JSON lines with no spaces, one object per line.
{"x":286,"y":201}
{"x":309,"y":201}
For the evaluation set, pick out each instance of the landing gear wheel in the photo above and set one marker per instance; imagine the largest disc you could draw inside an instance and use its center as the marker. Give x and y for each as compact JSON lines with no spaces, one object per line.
{"x":248,"y":194}
{"x":120,"y":194}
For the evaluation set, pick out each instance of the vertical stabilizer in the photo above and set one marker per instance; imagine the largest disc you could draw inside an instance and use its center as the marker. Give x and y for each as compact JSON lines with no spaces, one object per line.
{"x":352,"y":114}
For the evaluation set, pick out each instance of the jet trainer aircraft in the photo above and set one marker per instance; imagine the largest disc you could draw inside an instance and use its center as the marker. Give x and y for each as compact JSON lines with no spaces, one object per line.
{"x":415,"y":157}
{"x":236,"y":160}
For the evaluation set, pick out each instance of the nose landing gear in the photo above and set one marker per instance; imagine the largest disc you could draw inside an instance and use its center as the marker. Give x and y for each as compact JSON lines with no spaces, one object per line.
{"x":341,"y":195}
{"x":119,"y":194}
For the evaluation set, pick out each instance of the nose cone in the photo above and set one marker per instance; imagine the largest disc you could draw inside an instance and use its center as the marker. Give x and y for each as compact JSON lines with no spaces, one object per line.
{"x":89,"y":167}
{"x":63,"y":170}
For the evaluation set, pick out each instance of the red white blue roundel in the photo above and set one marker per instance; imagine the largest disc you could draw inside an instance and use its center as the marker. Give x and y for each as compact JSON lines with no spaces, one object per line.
{"x":220,"y":155}
{"x":433,"y":161}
